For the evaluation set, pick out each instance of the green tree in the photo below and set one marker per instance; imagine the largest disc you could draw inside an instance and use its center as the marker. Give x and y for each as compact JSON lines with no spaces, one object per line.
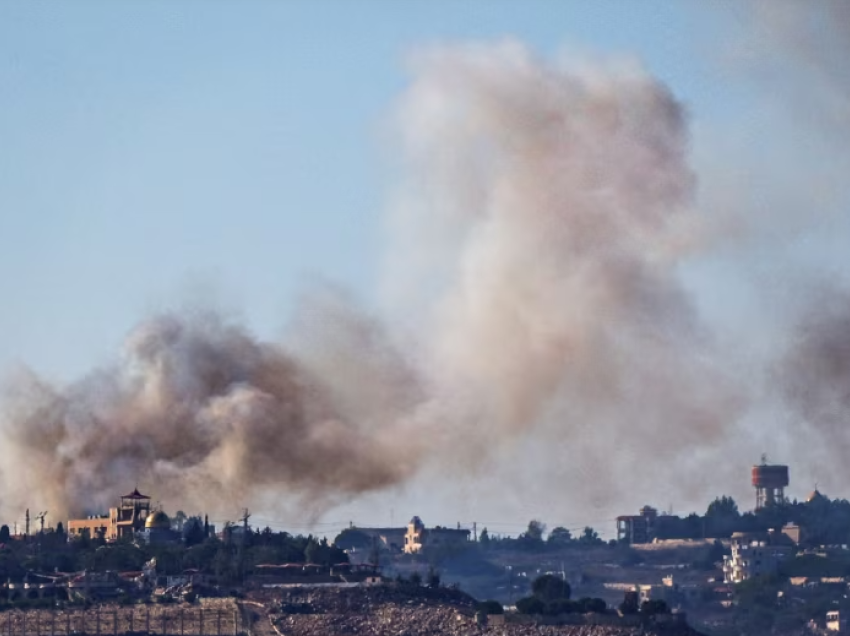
{"x":5,"y":535}
{"x":178,"y":520}
{"x":550,"y":588}
{"x":490,"y":607}
{"x":433,"y":578}
{"x":484,"y":539}
{"x":723,"y":507}
{"x":630,"y":603}
{"x":353,"y":538}
{"x":535,"y":530}
{"x":589,"y":536}
{"x":654,"y":606}
{"x":193,"y":531}
{"x":559,"y":537}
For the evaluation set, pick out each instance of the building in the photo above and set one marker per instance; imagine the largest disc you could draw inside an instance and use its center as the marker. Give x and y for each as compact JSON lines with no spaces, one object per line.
{"x":391,"y":539}
{"x":672,"y":593}
{"x":639,"y":528}
{"x":158,"y":529}
{"x":418,"y":537}
{"x":94,"y":526}
{"x":835,"y":622}
{"x":753,"y":554}
{"x":130,"y":516}
{"x":125,"y":520}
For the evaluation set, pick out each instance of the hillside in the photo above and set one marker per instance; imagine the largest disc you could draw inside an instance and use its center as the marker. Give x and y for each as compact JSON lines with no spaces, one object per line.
{"x":407,"y":611}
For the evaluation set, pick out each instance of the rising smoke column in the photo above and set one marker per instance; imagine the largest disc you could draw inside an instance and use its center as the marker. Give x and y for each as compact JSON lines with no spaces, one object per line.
{"x":544,"y":213}
{"x":813,"y":378}
{"x":563,"y":203}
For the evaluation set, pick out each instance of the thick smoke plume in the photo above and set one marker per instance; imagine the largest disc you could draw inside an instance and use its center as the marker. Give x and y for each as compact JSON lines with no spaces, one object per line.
{"x":814,"y":378}
{"x":199,"y":412}
{"x":568,"y":198}
{"x":533,"y":278}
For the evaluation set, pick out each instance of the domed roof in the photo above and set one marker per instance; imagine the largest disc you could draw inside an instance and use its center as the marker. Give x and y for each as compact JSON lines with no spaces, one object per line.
{"x":815,"y":496}
{"x":158,"y":519}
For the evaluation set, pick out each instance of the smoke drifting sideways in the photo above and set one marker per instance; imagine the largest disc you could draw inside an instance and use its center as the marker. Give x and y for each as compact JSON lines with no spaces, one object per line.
{"x":544,"y":212}
{"x":199,"y":413}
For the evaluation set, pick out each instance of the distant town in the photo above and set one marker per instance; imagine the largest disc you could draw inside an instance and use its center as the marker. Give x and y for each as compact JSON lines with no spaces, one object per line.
{"x":782,"y":567}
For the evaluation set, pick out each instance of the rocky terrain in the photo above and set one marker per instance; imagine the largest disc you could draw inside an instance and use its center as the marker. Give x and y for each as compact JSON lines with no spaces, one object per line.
{"x":406,"y":611}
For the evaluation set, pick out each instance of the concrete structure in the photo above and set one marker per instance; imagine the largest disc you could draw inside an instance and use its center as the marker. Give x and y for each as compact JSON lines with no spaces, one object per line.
{"x":753,"y":554}
{"x":793,"y":532}
{"x":94,"y":527}
{"x":638,"y":528}
{"x":129,"y":518}
{"x":672,"y":593}
{"x":123,"y":521}
{"x":419,"y":538}
{"x":835,"y":622}
{"x":770,"y":482}
{"x":391,"y":539}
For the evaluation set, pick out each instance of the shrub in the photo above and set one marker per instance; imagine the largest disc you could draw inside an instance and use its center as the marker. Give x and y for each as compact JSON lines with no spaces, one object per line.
{"x":530,"y":605}
{"x":653,"y":607}
{"x":490,"y":607}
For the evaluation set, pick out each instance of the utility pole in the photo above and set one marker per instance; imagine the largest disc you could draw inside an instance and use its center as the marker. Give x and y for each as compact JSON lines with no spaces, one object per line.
{"x":475,"y":531}
{"x":27,"y":532}
{"x":245,"y":516}
{"x":40,"y":516}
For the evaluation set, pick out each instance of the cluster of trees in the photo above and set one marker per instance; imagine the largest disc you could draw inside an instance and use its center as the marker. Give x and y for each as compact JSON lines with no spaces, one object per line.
{"x":228,"y":559}
{"x":826,"y":521}
{"x":550,"y":595}
{"x":651,"y":607}
{"x":535,"y":538}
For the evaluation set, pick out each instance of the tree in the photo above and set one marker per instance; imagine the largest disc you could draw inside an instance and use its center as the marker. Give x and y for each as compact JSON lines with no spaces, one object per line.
{"x":353,"y":538}
{"x":530,"y":605}
{"x":559,"y":537}
{"x":193,"y":531}
{"x":532,"y":538}
{"x":5,"y":535}
{"x":484,"y":539}
{"x":654,"y":606}
{"x":535,"y":530}
{"x":60,"y":532}
{"x":589,"y":536}
{"x":433,"y":578}
{"x":178,"y":520}
{"x":490,"y":607}
{"x":723,"y":507}
{"x":630,"y":603}
{"x":550,"y":588}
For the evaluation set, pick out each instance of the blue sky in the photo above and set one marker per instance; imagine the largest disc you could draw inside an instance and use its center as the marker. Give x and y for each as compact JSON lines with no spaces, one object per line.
{"x":158,"y":153}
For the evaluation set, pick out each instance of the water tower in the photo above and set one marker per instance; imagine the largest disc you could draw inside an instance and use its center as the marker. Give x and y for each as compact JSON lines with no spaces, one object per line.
{"x":769,"y":480}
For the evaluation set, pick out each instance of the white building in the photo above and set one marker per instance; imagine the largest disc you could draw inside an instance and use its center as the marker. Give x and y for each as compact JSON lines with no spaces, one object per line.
{"x":752,"y":555}
{"x":835,"y":622}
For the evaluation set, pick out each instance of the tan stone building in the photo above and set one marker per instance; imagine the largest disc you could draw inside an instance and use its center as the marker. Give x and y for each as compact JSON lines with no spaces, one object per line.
{"x":122,"y":521}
